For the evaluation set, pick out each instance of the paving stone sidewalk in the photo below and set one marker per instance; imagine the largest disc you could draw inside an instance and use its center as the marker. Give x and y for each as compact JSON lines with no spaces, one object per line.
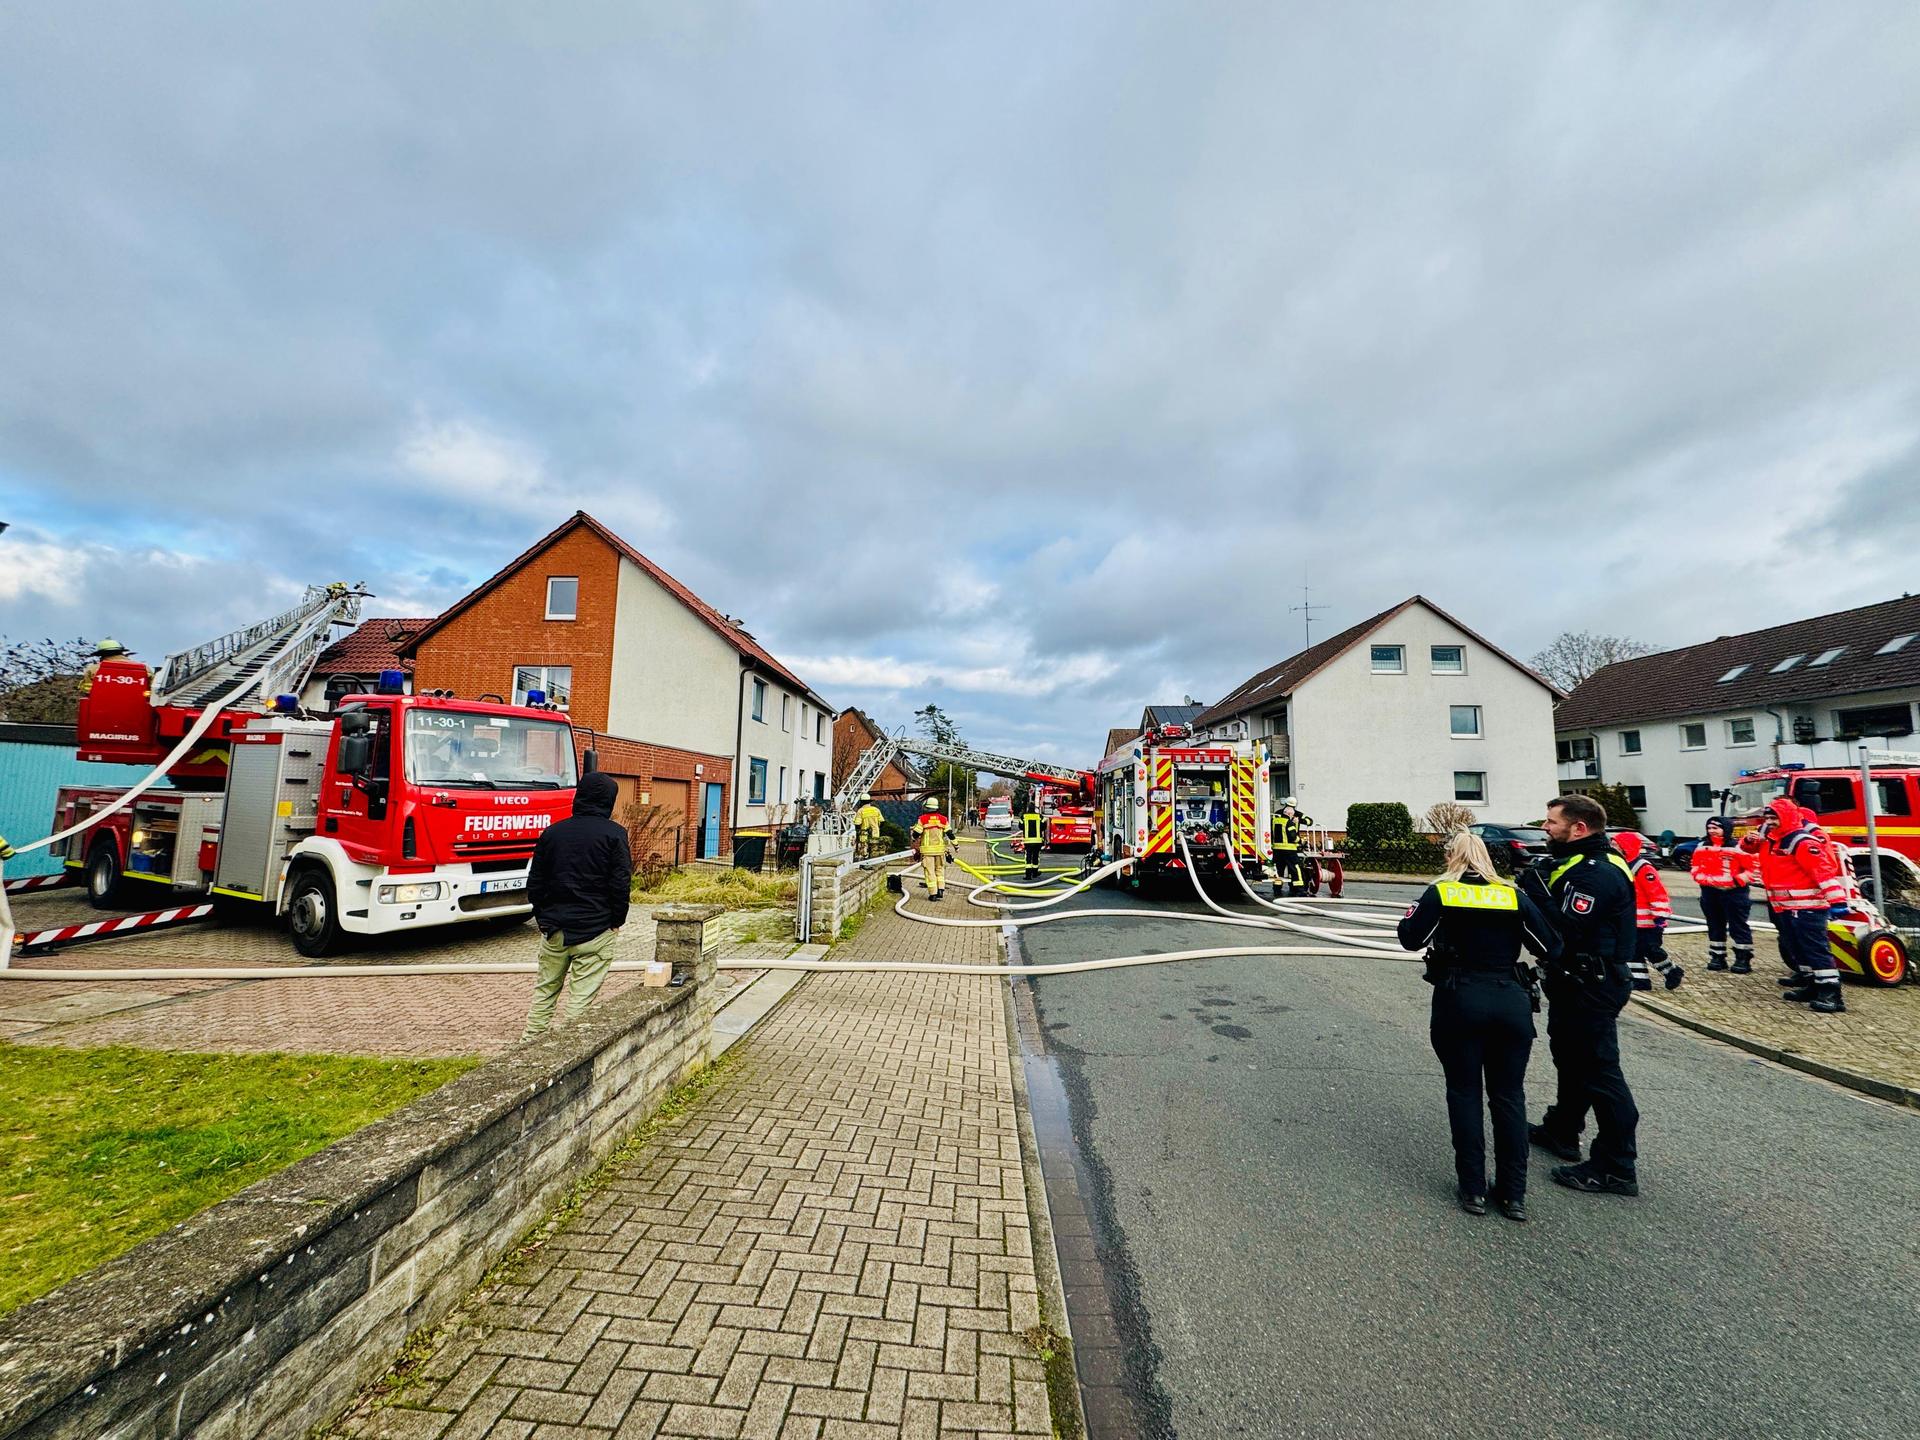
{"x":832,"y":1243}
{"x":398,"y":1016}
{"x":1879,"y":1035}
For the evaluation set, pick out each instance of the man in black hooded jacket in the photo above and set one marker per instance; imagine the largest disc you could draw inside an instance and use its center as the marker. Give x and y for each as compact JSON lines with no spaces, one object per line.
{"x":580,"y":884}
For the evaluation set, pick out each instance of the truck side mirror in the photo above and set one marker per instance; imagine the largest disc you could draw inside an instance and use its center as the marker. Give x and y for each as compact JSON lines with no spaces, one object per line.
{"x":355,"y":722}
{"x":356,"y":754}
{"x":590,"y":762}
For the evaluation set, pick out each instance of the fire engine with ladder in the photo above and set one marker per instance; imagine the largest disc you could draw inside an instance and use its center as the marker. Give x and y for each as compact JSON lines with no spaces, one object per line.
{"x":393,"y":812}
{"x":1134,"y":804}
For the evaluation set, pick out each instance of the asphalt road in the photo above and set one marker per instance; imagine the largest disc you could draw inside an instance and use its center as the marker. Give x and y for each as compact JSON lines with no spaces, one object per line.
{"x":1275,"y":1205}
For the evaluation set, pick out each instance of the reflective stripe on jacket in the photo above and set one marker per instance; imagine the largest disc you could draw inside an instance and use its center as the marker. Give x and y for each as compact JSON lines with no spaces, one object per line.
{"x":1651,"y":904}
{"x":1801,"y":872}
{"x":1722,"y":867}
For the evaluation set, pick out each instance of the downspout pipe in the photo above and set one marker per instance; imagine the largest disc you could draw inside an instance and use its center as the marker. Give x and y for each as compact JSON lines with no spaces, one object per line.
{"x":1779,"y":731}
{"x":739,"y":743}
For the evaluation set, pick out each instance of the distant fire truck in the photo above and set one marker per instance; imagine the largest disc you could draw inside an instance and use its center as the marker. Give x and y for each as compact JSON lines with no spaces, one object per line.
{"x":1161,"y":787}
{"x":397,"y":812}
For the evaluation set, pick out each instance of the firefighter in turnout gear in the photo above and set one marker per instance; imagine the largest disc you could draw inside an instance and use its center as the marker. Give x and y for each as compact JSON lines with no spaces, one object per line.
{"x":1033,"y":834}
{"x":867,"y":821}
{"x":930,"y":844}
{"x":1723,"y":871}
{"x":1652,"y":909}
{"x":108,"y":649}
{"x":1474,"y":927}
{"x":1583,"y":886}
{"x":1288,"y":823}
{"x":1802,"y":878}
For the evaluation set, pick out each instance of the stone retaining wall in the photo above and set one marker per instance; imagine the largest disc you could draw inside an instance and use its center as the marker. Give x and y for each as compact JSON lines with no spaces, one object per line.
{"x":265,"y":1313}
{"x":841,"y":891}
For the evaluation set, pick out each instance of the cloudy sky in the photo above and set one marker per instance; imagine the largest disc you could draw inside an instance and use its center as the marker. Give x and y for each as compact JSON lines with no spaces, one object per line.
{"x":1023,"y":358}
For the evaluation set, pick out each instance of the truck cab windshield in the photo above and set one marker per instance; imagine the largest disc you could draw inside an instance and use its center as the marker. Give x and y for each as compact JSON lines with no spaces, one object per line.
{"x":460,"y":749}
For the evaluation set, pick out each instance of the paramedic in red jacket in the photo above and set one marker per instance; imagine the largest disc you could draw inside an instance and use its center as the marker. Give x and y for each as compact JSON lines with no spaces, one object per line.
{"x":1802,"y":878}
{"x":1652,"y":909}
{"x":1723,"y":871}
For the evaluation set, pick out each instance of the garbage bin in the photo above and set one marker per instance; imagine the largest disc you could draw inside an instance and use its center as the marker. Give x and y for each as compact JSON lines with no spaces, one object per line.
{"x":793,"y":844}
{"x":749,"y":849}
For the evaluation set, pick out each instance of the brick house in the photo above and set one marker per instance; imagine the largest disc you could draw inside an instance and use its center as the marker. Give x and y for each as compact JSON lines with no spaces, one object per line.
{"x":664,"y":682}
{"x":854,"y":733}
{"x":355,"y":661}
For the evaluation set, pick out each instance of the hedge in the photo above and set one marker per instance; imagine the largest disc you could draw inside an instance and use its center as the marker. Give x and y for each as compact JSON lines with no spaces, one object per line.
{"x":1372,"y":826}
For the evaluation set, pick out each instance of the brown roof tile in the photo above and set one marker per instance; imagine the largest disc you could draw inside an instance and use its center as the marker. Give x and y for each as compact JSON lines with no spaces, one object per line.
{"x":1688,"y":681}
{"x":372,"y":647}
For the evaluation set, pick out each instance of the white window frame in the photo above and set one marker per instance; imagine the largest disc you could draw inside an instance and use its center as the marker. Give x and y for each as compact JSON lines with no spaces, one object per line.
{"x":1456,"y":787}
{"x":1633,"y":749}
{"x":1699,"y":725}
{"x":574,"y":613}
{"x":1753,"y":733}
{"x":1399,"y":666}
{"x":760,"y":702}
{"x":1479,"y":730}
{"x":545,"y":672}
{"x":1641,"y":803}
{"x":783,"y":785}
{"x":1706,"y":785}
{"x":819,"y":727}
{"x":1433,"y":660}
{"x":786,"y":711}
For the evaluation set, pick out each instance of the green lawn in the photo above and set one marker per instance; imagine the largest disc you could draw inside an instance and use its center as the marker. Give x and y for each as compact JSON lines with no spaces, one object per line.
{"x":101,"y":1149}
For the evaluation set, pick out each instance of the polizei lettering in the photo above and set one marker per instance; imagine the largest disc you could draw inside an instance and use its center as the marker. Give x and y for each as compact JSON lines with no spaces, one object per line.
{"x":481,"y":824}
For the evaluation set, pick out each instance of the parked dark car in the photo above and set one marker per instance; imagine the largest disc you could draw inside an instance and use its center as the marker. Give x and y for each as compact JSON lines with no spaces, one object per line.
{"x":1682,"y":853}
{"x":1512,"y":846}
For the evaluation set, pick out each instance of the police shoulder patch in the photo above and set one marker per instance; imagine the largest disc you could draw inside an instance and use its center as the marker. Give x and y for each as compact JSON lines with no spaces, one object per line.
{"x":1410,"y":910}
{"x":1579,"y":902}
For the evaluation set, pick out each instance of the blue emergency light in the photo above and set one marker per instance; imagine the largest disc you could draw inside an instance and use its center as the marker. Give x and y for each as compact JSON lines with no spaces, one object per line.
{"x":286,"y":704}
{"x":536,"y":698}
{"x":392,"y":682}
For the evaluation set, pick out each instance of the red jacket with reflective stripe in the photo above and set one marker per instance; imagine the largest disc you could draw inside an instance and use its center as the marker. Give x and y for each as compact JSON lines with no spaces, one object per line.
{"x":1722,"y":867}
{"x":1801,"y":872}
{"x":1651,"y":904}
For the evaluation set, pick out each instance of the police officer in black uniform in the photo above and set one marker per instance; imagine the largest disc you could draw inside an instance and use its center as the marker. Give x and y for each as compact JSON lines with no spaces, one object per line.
{"x":1586,"y":890}
{"x":1474,"y":927}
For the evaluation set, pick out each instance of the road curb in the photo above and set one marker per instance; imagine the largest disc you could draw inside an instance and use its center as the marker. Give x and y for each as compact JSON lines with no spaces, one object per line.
{"x":1839,"y":1075}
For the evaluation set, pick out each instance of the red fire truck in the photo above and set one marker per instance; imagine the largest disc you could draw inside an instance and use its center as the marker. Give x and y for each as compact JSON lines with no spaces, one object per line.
{"x":1836,"y":797}
{"x":393,"y":813}
{"x":1162,"y":786}
{"x":1069,"y":820}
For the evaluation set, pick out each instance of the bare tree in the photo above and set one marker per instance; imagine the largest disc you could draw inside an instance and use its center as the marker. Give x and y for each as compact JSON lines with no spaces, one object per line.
{"x":40,"y":680}
{"x":1446,"y":817}
{"x":1576,"y":655}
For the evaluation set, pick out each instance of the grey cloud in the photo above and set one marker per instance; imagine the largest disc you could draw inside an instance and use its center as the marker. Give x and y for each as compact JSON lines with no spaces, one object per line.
{"x":1145,"y":316}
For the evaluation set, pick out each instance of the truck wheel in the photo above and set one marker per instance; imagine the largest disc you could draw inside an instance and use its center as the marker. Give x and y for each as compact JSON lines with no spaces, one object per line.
{"x":311,"y":915}
{"x":105,"y":889}
{"x":1883,"y":957}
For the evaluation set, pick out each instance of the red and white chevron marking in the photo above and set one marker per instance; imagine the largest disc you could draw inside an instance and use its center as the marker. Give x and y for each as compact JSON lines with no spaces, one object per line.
{"x":41,"y":882}
{"x":107,"y":929}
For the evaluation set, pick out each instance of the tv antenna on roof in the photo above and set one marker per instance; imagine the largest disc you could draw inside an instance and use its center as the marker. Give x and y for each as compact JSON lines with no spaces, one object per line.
{"x":1305,"y":608}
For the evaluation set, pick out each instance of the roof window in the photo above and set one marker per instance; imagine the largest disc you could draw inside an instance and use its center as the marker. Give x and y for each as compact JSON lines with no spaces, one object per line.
{"x":1899,"y":642}
{"x":1733,"y":674}
{"x":1827,"y":657}
{"x":1788,"y":663}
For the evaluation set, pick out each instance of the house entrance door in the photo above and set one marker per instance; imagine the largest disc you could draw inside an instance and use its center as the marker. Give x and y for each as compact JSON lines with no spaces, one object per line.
{"x":710,"y":823}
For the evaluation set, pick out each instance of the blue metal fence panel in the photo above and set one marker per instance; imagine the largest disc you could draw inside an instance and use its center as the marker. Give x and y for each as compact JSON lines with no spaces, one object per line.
{"x":31,"y":775}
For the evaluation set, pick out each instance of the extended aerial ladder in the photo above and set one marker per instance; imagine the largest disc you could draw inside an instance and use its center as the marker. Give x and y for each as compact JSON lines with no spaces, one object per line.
{"x":883,"y":752}
{"x":133,"y":716}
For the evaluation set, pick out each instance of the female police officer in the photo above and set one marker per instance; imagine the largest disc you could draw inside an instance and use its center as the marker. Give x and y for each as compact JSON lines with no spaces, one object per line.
{"x":1474,"y":927}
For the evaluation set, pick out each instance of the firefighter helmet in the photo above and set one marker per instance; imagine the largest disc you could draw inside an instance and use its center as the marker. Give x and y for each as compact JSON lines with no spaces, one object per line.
{"x":932,"y":802}
{"x":110,"y":649}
